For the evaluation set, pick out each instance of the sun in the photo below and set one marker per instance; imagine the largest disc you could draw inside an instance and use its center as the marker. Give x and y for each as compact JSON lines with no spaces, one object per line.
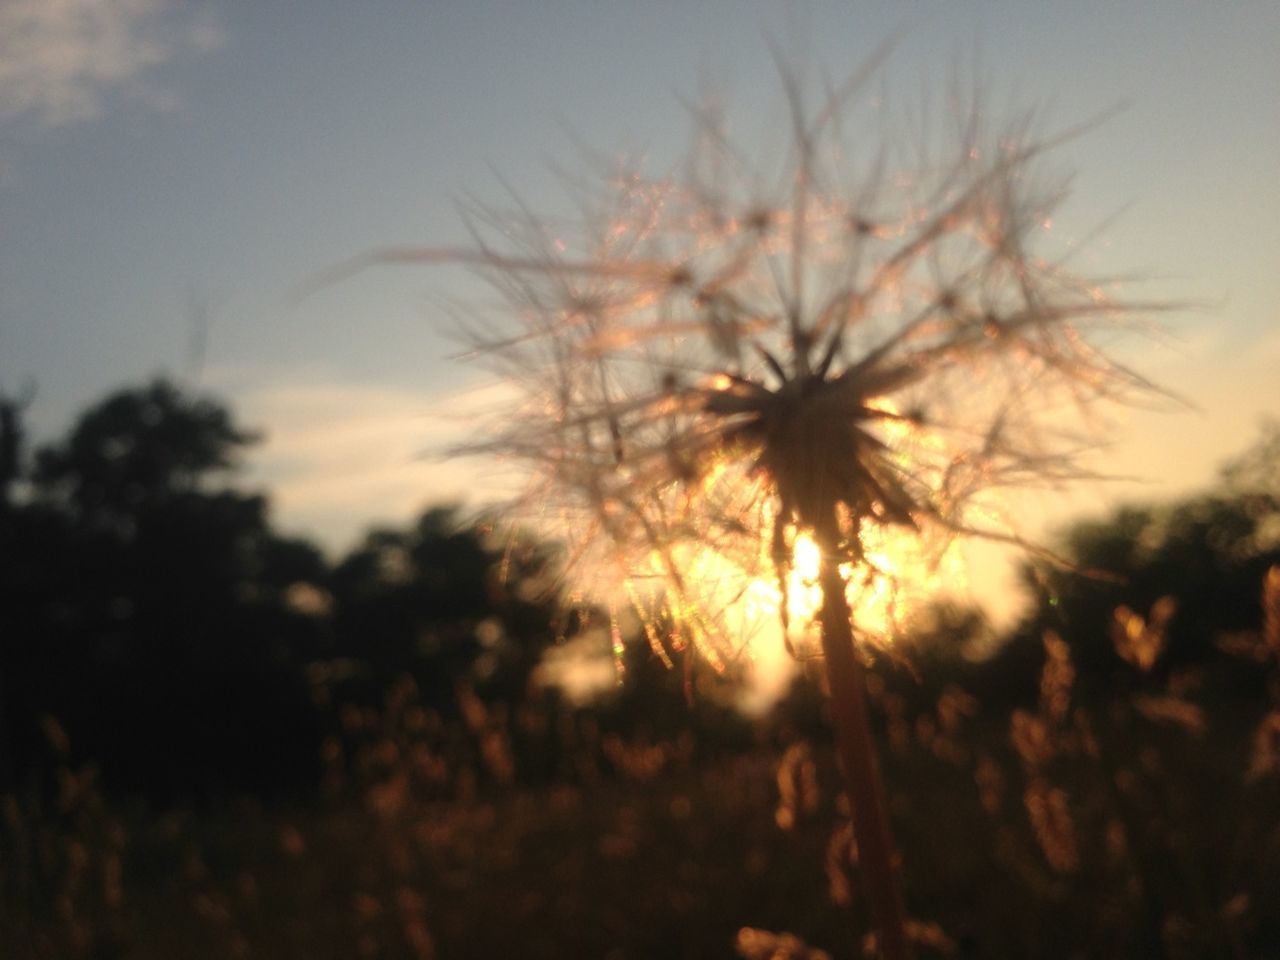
{"x":895,"y":580}
{"x":749,"y":618}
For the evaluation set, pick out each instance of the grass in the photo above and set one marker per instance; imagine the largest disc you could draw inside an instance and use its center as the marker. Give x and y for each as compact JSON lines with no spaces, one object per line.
{"x":1159,"y":847}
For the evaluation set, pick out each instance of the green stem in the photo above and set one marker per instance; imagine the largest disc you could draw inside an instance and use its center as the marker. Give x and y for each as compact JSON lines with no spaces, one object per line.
{"x":877,"y":858}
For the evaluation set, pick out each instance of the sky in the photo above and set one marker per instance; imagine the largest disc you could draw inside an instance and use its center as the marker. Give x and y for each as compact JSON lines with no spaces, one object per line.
{"x":171,"y":172}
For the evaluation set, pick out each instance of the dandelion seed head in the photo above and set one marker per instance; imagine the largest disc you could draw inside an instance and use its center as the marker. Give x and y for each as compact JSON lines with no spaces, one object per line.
{"x":721,"y":363}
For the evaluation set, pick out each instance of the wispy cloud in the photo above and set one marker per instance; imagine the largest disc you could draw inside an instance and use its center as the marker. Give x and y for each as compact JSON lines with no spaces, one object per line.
{"x":338,"y":457}
{"x":63,"y":61}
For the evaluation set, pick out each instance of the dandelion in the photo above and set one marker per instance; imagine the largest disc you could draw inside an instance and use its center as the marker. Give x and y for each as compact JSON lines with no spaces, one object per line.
{"x":748,"y":389}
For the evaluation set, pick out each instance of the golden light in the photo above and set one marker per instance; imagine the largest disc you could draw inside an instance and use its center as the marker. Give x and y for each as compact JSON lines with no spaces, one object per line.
{"x":708,"y":578}
{"x":804,"y":593}
{"x":741,"y":615}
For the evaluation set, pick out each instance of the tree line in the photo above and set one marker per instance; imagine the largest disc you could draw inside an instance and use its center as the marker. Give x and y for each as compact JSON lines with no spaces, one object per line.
{"x":153,"y":622}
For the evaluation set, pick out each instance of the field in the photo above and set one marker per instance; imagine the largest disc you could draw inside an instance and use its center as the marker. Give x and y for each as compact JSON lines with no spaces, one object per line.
{"x":1125,"y":830}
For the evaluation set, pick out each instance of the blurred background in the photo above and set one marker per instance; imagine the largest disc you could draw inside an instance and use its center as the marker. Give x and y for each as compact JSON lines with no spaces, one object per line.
{"x":272,"y":681}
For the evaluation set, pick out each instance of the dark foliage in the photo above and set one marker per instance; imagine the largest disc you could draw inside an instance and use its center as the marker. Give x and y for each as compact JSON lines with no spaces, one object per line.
{"x":146,"y":607}
{"x":1105,"y":784}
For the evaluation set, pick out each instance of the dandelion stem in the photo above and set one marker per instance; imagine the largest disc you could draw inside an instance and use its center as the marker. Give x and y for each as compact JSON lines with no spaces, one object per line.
{"x":877,"y":858}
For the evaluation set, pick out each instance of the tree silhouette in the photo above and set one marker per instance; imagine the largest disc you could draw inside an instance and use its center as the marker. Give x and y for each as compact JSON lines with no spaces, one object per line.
{"x":153,"y":619}
{"x":12,"y":467}
{"x":1208,"y":553}
{"x":138,"y":448}
{"x":441,"y":602}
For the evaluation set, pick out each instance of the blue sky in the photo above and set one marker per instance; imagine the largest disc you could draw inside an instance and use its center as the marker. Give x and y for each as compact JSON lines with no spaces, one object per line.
{"x":175,"y":167}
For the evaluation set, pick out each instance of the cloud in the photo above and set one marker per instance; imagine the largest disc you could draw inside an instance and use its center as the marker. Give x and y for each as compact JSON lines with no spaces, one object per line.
{"x":339,"y":457}
{"x":61,"y":61}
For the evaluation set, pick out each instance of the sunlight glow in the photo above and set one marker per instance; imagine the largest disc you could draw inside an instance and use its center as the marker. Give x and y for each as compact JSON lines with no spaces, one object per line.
{"x":804,"y":593}
{"x":716,"y":381}
{"x":748,"y":621}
